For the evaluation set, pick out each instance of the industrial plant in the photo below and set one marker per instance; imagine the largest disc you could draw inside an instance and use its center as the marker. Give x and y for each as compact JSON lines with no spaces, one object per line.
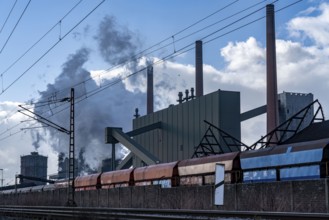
{"x":174,"y":151}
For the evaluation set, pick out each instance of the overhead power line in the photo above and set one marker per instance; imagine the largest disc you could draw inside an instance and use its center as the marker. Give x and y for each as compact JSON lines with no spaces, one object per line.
{"x":202,"y":29}
{"x":288,"y":6}
{"x":188,"y":27}
{"x":135,"y":56}
{"x":39,"y":40}
{"x":50,"y":49}
{"x":1,"y":75}
{"x":3,"y":47}
{"x":104,"y":87}
{"x":147,"y":51}
{"x":176,"y":53}
{"x":180,"y":51}
{"x":11,"y":10}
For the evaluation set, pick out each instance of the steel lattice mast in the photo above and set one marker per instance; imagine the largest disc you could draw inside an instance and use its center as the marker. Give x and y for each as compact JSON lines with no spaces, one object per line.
{"x":71,"y":190}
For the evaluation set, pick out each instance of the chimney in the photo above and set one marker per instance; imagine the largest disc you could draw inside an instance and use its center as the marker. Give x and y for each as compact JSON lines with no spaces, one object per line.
{"x":198,"y":69}
{"x":272,"y":90}
{"x":149,"y":89}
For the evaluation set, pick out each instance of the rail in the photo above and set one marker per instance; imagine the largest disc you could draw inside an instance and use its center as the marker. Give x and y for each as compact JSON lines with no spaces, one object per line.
{"x":117,"y":213}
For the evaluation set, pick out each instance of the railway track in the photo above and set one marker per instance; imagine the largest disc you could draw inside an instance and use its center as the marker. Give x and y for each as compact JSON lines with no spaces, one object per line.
{"x":54,"y":213}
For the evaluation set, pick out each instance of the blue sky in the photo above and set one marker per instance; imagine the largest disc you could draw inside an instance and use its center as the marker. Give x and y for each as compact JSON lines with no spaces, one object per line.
{"x":235,"y":62}
{"x":149,"y":21}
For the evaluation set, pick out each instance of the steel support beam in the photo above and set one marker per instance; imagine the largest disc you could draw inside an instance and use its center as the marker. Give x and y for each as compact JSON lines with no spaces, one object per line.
{"x":21,"y":177}
{"x":144,"y":129}
{"x":109,"y":139}
{"x":126,"y":162}
{"x":253,"y":113}
{"x":132,"y":145}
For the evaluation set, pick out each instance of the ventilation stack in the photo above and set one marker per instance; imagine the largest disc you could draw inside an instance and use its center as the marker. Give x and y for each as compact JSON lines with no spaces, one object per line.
{"x":198,"y":69}
{"x":272,"y":90}
{"x":149,"y":89}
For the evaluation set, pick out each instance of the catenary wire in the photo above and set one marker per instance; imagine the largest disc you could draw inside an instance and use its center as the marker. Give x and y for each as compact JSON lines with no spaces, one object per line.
{"x":179,"y":52}
{"x":186,"y":36}
{"x":14,"y":112}
{"x":11,"y":10}
{"x":104,"y":87}
{"x":39,"y":40}
{"x":168,"y":57}
{"x":184,"y":49}
{"x":142,"y":53}
{"x":195,"y":23}
{"x":134,"y":58}
{"x":188,"y":27}
{"x":11,"y":33}
{"x":50,"y":49}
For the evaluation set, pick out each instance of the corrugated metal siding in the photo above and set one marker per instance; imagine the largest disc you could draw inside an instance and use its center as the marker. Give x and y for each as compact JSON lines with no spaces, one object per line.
{"x":186,"y":137}
{"x":180,"y":132}
{"x":183,"y":125}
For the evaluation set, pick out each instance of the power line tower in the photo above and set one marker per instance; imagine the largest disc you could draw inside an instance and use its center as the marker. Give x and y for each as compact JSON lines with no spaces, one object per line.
{"x":70,"y":132}
{"x":70,"y":196}
{"x":1,"y":177}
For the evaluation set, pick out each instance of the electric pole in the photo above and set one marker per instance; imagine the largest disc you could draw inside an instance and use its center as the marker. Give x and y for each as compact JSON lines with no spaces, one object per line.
{"x":71,"y":190}
{"x":70,"y":132}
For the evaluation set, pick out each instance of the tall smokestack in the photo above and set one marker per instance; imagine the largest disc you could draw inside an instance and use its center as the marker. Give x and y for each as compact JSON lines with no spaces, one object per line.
{"x":198,"y":69}
{"x":149,"y":89}
{"x":272,"y":90}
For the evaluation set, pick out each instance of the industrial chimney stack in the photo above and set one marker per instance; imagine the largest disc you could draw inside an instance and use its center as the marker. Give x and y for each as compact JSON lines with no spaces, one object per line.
{"x":149,"y":89}
{"x":272,"y":90}
{"x":198,"y":69}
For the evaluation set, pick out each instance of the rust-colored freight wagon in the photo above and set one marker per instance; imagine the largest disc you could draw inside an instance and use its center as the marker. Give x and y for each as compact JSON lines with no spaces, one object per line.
{"x":201,"y":171}
{"x":90,"y":182}
{"x":118,"y":178}
{"x":165,"y":174}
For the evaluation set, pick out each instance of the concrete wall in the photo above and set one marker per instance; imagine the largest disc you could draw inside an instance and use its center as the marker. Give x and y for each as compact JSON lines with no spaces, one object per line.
{"x":292,"y":196}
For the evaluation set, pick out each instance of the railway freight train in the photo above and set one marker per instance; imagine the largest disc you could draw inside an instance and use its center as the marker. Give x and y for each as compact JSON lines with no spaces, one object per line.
{"x":304,"y":160}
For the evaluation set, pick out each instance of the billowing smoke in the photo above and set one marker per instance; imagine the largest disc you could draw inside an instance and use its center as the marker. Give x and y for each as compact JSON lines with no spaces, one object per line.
{"x":117,"y":44}
{"x":113,"y":107}
{"x":36,"y":137}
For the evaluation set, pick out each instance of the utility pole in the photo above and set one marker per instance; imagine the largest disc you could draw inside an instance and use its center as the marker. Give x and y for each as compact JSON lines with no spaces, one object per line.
{"x":70,"y":132}
{"x":71,"y":190}
{"x":1,"y":177}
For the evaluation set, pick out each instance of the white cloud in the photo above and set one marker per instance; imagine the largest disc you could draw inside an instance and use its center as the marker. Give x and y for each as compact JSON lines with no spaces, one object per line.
{"x":315,"y":28}
{"x":300,"y":68}
{"x":307,"y":11}
{"x":241,"y":54}
{"x":16,"y":142}
{"x":245,"y":64}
